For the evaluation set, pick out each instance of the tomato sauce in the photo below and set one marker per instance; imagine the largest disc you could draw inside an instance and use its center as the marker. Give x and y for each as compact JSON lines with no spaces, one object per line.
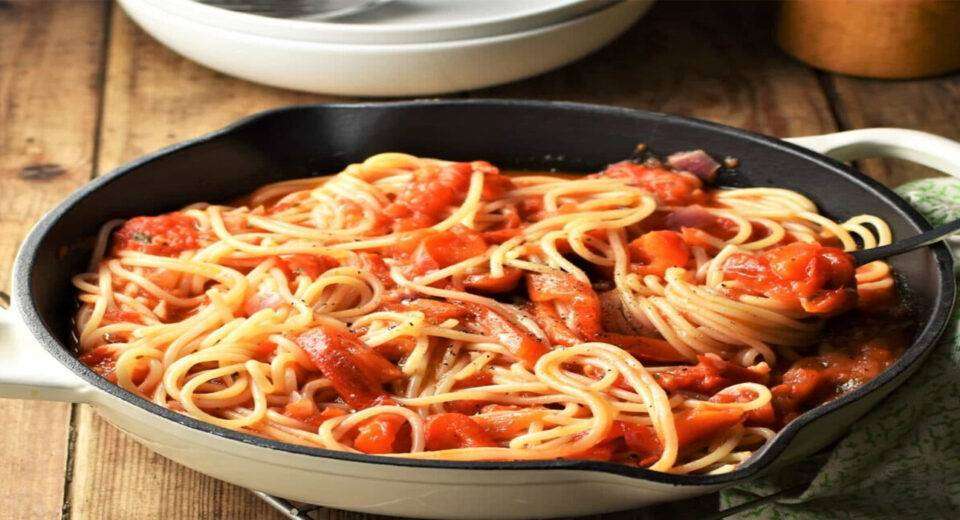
{"x":709,"y":375}
{"x":163,"y":235}
{"x":815,"y":278}
{"x":657,"y":251}
{"x":102,"y":361}
{"x":356,"y":372}
{"x":449,"y":431}
{"x":311,"y":266}
{"x":387,"y":433}
{"x":669,"y":187}
{"x":422,"y":202}
{"x":855,"y":350}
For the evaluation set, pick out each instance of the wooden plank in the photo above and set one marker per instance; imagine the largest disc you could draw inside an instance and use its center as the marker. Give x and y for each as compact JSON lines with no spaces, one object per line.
{"x":153,"y":98}
{"x":712,"y":60}
{"x":932,"y":105}
{"x":50,"y":64}
{"x":114,"y":477}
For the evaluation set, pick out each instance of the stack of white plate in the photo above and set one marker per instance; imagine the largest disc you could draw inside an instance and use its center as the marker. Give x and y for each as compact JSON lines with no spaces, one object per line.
{"x":398,"y":48}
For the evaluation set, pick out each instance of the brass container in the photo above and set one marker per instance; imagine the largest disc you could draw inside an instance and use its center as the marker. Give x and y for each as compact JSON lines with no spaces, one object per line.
{"x":873,"y":38}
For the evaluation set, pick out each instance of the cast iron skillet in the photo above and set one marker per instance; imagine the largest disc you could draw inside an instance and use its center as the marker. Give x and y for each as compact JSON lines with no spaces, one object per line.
{"x":302,"y":141}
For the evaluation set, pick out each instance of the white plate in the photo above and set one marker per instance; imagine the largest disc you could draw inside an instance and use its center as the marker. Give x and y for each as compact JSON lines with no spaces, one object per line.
{"x":398,"y":21}
{"x":386,"y":70}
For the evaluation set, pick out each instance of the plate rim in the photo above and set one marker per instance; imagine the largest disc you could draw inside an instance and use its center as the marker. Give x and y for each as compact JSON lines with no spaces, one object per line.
{"x":375,"y":34}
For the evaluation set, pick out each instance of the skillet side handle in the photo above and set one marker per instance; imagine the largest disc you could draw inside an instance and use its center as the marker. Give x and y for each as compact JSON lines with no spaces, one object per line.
{"x":937,"y":152}
{"x":27,"y":371}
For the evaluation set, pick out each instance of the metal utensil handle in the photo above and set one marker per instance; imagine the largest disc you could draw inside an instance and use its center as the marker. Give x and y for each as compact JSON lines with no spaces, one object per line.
{"x":923,"y":148}
{"x":865,"y":256}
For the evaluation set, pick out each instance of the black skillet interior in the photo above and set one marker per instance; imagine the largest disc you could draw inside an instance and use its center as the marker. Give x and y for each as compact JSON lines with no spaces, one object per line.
{"x":313,"y":140}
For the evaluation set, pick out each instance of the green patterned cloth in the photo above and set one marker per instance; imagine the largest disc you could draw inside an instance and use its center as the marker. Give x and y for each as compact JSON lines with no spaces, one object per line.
{"x":902,"y":460}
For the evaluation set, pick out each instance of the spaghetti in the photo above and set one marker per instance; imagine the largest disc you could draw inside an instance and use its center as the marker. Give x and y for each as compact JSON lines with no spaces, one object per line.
{"x":424,"y":308}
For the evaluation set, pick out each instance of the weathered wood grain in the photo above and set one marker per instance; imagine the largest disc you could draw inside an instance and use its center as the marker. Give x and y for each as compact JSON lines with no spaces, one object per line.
{"x":712,"y":60}
{"x":116,"y":478}
{"x":50,"y":63}
{"x":932,"y":105}
{"x":154,"y":97}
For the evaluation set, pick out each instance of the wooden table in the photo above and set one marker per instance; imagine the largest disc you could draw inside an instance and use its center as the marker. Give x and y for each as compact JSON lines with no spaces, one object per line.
{"x":83,"y":90}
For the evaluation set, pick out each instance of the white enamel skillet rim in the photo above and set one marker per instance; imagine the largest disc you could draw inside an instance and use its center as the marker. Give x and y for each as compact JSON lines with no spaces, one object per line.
{"x":26,"y":372}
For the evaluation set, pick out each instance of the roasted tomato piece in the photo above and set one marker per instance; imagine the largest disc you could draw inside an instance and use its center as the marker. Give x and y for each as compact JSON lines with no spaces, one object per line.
{"x":453,"y":246}
{"x":449,"y":431}
{"x":373,"y":263}
{"x":429,"y":250}
{"x":306,"y":410}
{"x":434,"y":311}
{"x":640,"y":440}
{"x":311,"y":266}
{"x":659,"y":251}
{"x":579,"y":297}
{"x":422,"y":202}
{"x":669,"y":187}
{"x":847,"y":364}
{"x":817,"y":279}
{"x":503,"y":423}
{"x":702,"y":424}
{"x":385,"y":433}
{"x":647,"y":350}
{"x":163,"y":235}
{"x":356,"y":371}
{"x":710,"y":375}
{"x":546,"y":316}
{"x":522,"y":343}
{"x":487,"y":283}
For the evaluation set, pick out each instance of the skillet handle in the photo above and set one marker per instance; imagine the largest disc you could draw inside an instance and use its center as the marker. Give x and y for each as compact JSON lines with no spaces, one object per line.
{"x":930,"y":150}
{"x":27,"y":371}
